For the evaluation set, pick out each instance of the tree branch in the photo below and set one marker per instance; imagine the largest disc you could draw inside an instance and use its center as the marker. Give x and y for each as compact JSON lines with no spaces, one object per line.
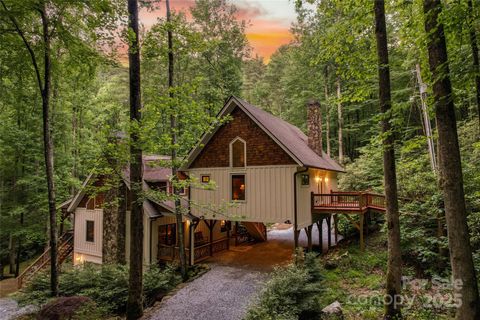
{"x":27,"y":45}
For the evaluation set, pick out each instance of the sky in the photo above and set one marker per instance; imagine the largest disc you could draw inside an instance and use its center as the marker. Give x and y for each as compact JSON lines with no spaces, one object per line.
{"x":268,"y":22}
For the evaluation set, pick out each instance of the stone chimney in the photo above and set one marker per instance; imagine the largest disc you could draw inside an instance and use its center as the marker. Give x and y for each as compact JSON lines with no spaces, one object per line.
{"x":314,"y":126}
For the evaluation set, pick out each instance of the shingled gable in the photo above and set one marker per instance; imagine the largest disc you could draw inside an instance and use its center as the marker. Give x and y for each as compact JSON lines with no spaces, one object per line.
{"x":290,"y":138}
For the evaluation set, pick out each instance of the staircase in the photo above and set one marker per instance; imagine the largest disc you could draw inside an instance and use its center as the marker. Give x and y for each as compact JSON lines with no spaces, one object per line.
{"x":65,"y":247}
{"x":257,"y":230}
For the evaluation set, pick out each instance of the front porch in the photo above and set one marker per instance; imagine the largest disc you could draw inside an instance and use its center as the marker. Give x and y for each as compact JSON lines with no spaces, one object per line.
{"x":204,"y":238}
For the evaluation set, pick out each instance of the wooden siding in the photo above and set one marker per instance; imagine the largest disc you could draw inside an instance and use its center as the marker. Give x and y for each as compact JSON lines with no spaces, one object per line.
{"x":304,"y":213}
{"x":84,"y":250}
{"x":269,"y":194}
{"x":261,"y":149}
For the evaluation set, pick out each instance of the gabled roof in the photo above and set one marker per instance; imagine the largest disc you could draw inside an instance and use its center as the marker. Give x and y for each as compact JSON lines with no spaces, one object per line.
{"x":290,"y":138}
{"x":152,"y":173}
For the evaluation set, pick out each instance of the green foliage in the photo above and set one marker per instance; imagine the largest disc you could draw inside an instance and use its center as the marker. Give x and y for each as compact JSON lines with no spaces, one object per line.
{"x":292,"y":293}
{"x":107,"y":285}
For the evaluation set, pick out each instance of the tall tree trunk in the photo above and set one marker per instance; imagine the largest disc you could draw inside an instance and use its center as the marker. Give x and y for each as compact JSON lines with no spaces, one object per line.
{"x":450,"y":168}
{"x":394,"y":264}
{"x":173,"y":130}
{"x":48,"y":152}
{"x":474,"y":46}
{"x":135,"y":283}
{"x":327,"y":111}
{"x":340,"y":121}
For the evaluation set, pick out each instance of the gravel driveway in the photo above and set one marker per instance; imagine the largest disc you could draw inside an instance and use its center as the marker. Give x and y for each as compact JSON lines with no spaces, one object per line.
{"x":222,"y":293}
{"x":10,"y":310}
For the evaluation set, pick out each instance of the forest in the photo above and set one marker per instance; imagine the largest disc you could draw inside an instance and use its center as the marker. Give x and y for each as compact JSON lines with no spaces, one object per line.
{"x":398,"y":83}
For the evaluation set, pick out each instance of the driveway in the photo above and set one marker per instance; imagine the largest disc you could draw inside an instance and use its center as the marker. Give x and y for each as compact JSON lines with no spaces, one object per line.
{"x":222,"y":293}
{"x":234,"y":281}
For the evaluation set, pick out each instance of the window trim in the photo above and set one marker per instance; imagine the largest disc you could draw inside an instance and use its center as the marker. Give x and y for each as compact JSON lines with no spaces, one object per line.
{"x":231,"y":185}
{"x":86,"y":231}
{"x":244,"y":152}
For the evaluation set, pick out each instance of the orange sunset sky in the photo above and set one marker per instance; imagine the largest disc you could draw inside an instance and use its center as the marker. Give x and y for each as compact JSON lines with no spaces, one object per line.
{"x":268,"y":21}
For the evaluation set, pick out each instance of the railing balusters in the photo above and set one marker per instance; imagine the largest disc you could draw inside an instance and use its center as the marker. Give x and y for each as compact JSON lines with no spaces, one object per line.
{"x":347,"y":200}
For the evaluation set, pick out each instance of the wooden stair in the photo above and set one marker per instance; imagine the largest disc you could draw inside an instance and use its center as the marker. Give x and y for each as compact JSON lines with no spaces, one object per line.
{"x":257,"y":230}
{"x":65,"y":248}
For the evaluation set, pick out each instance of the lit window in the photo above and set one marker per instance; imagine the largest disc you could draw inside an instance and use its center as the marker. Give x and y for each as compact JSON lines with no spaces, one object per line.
{"x":238,"y":187}
{"x":238,"y":153}
{"x":90,"y":231}
{"x":205,"y":179}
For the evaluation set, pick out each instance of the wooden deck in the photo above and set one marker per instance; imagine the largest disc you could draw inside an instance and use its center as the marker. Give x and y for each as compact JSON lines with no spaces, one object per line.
{"x":347,"y":202}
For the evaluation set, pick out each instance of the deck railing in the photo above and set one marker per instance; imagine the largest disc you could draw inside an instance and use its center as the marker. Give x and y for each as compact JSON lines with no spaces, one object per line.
{"x":355,"y":201}
{"x":202,"y":252}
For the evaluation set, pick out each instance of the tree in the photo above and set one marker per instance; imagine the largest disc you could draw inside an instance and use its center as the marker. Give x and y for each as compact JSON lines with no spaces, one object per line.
{"x":394,"y":264}
{"x":173,"y":130}
{"x":474,"y":47}
{"x":135,"y":282}
{"x":44,"y":86}
{"x":450,"y":169}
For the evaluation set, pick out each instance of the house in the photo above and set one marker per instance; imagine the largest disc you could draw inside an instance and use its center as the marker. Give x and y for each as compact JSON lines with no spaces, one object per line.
{"x":264,"y":164}
{"x":264,"y":170}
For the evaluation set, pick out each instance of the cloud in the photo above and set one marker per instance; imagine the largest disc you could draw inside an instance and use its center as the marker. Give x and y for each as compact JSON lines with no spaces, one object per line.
{"x":266,"y":31}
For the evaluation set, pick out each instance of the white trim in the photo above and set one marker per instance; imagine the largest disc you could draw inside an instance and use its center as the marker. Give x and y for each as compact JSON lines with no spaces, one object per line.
{"x":230,"y":148}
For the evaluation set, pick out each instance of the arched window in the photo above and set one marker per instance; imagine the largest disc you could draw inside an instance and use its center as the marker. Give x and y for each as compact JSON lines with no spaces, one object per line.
{"x":237,"y":153}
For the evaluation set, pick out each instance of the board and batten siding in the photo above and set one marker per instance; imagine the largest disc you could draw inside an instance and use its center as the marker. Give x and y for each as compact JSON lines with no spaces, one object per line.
{"x":85,"y":251}
{"x":268,"y":194}
{"x":304,"y":213}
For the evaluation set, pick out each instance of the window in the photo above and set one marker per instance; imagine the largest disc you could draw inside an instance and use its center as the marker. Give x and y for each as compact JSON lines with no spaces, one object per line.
{"x":237,"y":150}
{"x":167,"y":234}
{"x":205,"y":179}
{"x":238,"y":187}
{"x":305,"y":180}
{"x":225,"y":226}
{"x":90,"y":236}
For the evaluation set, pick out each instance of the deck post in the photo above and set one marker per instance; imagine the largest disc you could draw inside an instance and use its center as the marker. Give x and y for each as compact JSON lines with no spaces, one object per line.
{"x":335,"y":226}
{"x":362,"y":241}
{"x":308,"y":230}
{"x":296,"y":234}
{"x":320,"y":234}
{"x":229,"y":225}
{"x":329,"y":230}
{"x":191,"y":232}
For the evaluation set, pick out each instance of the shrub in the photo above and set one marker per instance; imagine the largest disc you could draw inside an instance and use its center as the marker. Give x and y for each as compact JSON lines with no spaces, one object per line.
{"x":292,"y":293}
{"x":107,"y":285}
{"x":75,"y":307}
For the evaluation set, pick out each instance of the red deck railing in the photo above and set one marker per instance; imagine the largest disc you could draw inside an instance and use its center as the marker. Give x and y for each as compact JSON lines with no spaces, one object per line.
{"x":347,"y":201}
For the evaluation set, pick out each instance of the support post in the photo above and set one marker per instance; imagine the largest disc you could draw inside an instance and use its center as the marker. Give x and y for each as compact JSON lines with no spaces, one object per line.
{"x":329,"y":230}
{"x":335,"y":226}
{"x":191,"y":242}
{"x":320,"y":234}
{"x":308,"y":230}
{"x":229,"y":225}
{"x":296,"y":234}
{"x":362,"y":243}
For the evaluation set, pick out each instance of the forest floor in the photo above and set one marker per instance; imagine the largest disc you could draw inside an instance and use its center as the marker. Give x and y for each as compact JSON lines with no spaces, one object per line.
{"x":357,"y":280}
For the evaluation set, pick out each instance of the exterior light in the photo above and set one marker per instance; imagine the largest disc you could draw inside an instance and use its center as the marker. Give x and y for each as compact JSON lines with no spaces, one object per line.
{"x":318,"y":179}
